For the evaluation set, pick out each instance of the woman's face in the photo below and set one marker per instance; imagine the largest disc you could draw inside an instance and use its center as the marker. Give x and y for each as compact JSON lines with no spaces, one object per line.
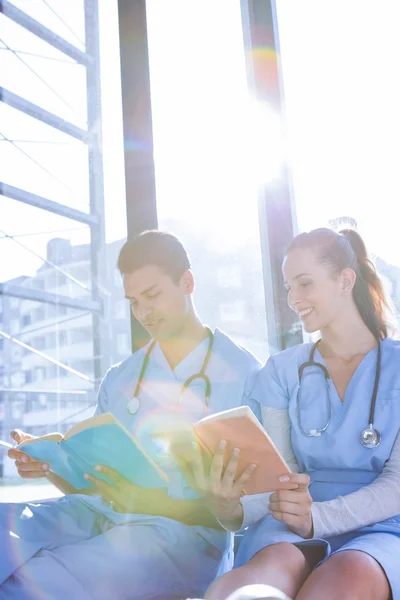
{"x":315,"y":293}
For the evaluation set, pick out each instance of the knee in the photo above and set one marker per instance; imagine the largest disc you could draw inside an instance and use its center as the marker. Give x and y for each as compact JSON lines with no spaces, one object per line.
{"x":281,"y":554}
{"x":351,"y":566}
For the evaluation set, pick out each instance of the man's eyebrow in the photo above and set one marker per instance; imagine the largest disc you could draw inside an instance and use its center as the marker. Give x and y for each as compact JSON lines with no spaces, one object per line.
{"x":151,"y":288}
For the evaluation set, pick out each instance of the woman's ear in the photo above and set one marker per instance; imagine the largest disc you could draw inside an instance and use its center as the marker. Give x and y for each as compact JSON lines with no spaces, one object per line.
{"x":187,"y":282}
{"x":348,"y":280}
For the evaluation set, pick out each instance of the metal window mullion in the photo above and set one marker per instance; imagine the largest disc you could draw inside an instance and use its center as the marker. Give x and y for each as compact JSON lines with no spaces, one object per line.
{"x":47,"y":35}
{"x":39,"y":113}
{"x":25,"y":293}
{"x":277,"y":217}
{"x":14,"y":193}
{"x":98,"y":248}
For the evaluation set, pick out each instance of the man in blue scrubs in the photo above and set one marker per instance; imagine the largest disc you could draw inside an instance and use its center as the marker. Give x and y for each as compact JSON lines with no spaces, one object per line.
{"x":128,"y":542}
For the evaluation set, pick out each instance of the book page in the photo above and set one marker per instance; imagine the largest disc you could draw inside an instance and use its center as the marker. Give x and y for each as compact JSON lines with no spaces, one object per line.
{"x":256,"y":447}
{"x":51,"y":437}
{"x":87,"y":423}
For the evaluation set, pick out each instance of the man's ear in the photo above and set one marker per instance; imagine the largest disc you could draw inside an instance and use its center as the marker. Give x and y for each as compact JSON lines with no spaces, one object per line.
{"x":348,"y":280}
{"x":187,"y":282}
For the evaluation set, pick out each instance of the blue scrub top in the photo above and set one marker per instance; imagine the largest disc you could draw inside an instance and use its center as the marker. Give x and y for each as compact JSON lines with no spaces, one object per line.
{"x":337,"y":455}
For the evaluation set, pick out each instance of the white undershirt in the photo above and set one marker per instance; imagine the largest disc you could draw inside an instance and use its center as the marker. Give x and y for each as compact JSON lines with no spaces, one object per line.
{"x":370,"y":504}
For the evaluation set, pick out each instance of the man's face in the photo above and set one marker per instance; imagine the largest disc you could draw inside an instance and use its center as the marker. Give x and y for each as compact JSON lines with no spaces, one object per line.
{"x":157,"y":302}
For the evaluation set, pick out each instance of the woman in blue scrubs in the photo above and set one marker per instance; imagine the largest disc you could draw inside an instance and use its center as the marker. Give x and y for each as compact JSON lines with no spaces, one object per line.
{"x":342,"y":514}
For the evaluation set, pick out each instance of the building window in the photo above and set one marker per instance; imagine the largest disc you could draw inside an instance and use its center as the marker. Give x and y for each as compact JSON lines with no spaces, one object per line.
{"x":38,"y":314}
{"x":63,"y":338}
{"x":40,"y":373}
{"x":81,"y":335}
{"x":39,"y":343}
{"x":26,"y":320}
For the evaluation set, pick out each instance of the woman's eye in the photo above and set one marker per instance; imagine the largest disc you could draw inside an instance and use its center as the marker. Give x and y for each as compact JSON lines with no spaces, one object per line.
{"x":153,"y":296}
{"x":305,"y":284}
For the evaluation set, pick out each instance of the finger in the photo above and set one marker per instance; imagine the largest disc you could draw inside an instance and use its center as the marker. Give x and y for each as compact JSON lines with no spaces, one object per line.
{"x":17,"y":435}
{"x":217,"y":463}
{"x":296,"y":496}
{"x":229,"y":475}
{"x":105,"y":489}
{"x":301,"y":479}
{"x":198,"y":471}
{"x":32,"y":467}
{"x":288,"y":508}
{"x":240,"y":482}
{"x":291,"y":520}
{"x":16,"y":454}
{"x":32,"y":474}
{"x":115,"y":477}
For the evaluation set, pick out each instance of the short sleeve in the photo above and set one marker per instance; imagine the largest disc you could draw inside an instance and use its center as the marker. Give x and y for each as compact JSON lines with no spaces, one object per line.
{"x":268,"y":389}
{"x":102,"y":398}
{"x":248,"y":394}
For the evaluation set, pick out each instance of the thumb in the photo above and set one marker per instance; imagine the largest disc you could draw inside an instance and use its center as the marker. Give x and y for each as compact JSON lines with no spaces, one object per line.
{"x":18,"y":435}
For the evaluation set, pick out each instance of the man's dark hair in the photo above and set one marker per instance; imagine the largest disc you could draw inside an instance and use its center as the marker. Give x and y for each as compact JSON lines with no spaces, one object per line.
{"x":154,"y":248}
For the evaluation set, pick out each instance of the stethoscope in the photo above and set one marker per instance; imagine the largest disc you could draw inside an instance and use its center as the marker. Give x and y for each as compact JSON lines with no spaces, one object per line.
{"x":134,"y":403}
{"x":370,"y":437}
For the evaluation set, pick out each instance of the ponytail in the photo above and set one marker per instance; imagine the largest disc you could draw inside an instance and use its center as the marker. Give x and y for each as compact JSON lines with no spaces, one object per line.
{"x":368,"y":292}
{"x":343,"y":250}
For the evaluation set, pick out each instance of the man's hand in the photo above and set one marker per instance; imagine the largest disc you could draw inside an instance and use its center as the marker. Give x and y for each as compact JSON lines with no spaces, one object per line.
{"x":126,"y":497}
{"x":28,"y":468}
{"x":221,"y":488}
{"x":293,"y":507}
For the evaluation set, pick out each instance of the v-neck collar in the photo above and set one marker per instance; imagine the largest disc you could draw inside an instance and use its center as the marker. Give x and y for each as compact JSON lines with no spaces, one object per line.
{"x":354,"y":378}
{"x":159,"y":358}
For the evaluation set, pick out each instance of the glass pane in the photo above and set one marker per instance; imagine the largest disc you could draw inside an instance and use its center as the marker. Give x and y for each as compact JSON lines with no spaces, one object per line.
{"x":35,"y":70}
{"x":343,"y":121}
{"x":46,"y":368}
{"x":205,"y":157}
{"x":55,"y":165}
{"x":67,"y":19}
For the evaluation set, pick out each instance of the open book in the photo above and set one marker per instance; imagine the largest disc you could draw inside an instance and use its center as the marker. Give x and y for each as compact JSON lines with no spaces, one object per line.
{"x":100,"y":440}
{"x":240,"y":428}
{"x":104,"y":440}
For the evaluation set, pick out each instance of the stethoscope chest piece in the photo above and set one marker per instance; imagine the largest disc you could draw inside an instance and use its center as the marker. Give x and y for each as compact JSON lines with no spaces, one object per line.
{"x":133,"y":405}
{"x":370,"y":437}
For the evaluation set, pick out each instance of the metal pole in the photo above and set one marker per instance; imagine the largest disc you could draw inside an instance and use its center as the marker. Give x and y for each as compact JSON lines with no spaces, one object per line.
{"x":96,"y":189}
{"x":137,"y":125}
{"x":276,"y":207}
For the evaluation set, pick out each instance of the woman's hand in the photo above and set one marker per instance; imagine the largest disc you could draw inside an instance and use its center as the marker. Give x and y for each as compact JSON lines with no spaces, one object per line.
{"x":221,"y":488}
{"x":293,"y":507}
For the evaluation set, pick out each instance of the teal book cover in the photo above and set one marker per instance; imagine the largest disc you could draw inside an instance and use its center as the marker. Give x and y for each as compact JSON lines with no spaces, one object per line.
{"x":101,"y":440}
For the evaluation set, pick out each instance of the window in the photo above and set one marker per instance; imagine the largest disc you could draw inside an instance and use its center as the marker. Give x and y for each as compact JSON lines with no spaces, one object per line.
{"x":233,"y":312}
{"x":229,"y":276}
{"x":121,"y":309}
{"x":14,"y":326}
{"x":56,"y":166}
{"x":39,"y":343}
{"x":205,"y":155}
{"x":63,"y":338}
{"x":38,"y":314}
{"x":39,"y":374}
{"x":26,"y":320}
{"x":51,"y":340}
{"x":343,"y":131}
{"x":81,"y":335}
{"x":123,"y":344}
